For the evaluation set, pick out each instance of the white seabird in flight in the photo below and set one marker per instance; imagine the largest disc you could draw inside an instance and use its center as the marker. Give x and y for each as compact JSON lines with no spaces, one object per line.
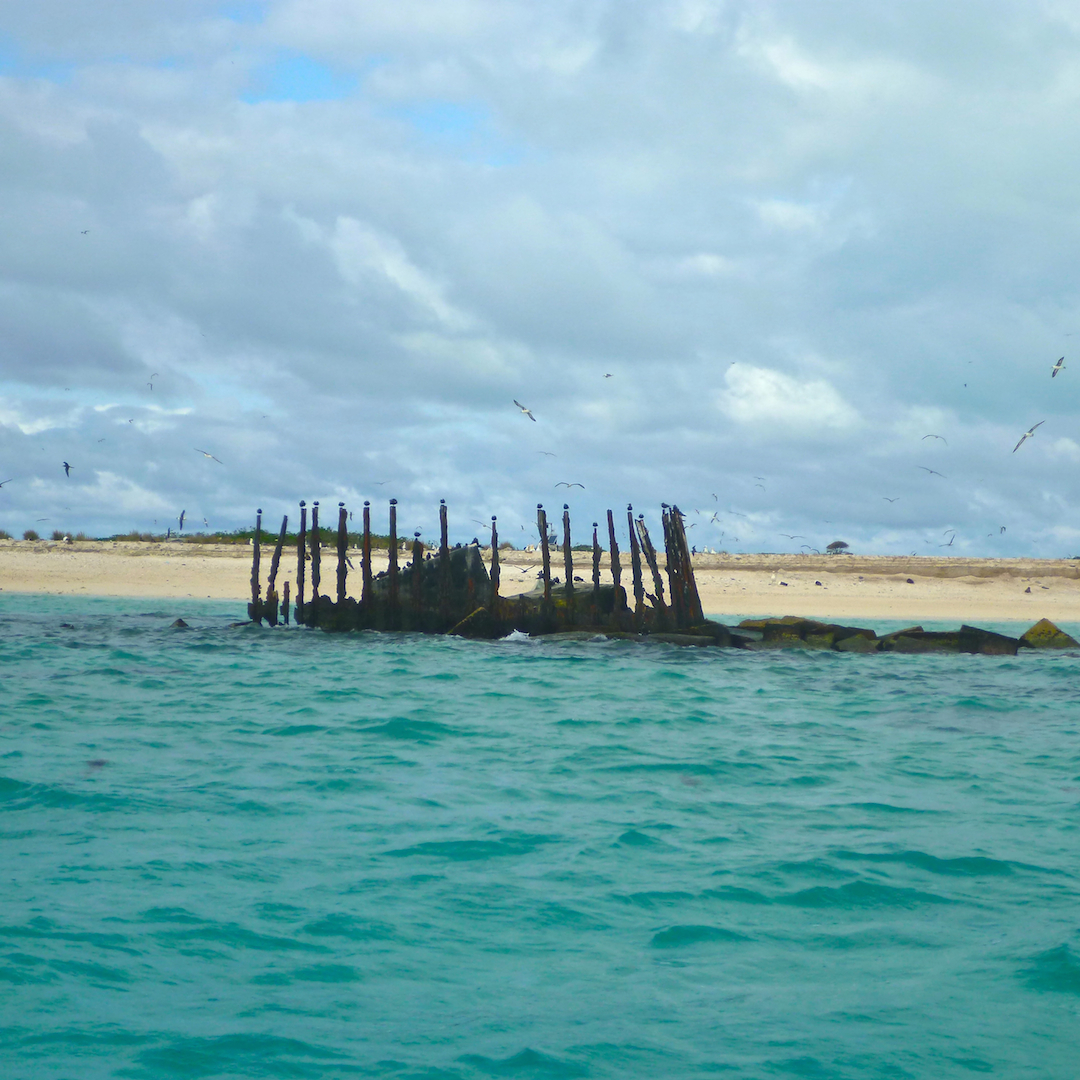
{"x":527,"y":412}
{"x":1057,"y":367}
{"x":1027,"y":435}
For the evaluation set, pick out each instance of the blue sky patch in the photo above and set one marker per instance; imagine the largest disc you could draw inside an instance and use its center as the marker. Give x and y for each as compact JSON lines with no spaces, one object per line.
{"x":15,"y":64}
{"x":293,"y":77}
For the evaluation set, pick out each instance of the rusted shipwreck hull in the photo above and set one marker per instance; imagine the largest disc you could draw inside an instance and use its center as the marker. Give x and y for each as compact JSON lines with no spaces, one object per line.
{"x":453,"y":591}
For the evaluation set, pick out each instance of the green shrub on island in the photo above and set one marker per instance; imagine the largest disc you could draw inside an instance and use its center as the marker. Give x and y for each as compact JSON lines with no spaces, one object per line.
{"x":4,"y":534}
{"x":31,"y":534}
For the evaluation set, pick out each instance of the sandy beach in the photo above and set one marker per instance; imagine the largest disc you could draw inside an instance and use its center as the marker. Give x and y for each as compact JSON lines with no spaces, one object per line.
{"x":850,"y":587}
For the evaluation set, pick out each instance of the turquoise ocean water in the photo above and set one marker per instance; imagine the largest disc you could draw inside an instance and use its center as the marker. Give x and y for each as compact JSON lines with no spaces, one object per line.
{"x":254,"y":853}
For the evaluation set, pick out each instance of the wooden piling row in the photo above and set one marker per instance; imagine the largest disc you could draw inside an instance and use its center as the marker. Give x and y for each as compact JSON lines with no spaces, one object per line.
{"x":456,"y":588}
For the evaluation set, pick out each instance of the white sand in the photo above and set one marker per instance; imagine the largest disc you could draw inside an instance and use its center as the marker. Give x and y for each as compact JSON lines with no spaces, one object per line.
{"x":852,"y":587}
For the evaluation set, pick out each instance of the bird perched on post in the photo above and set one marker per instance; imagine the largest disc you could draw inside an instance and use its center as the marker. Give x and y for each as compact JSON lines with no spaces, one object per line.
{"x":527,"y":412}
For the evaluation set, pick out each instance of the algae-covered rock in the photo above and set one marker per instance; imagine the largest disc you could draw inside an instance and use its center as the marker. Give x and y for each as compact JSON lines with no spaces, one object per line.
{"x":857,"y":644}
{"x":719,"y":633}
{"x":795,"y":632}
{"x":968,"y":639}
{"x":987,"y":642}
{"x":1045,"y":635}
{"x":683,"y":639}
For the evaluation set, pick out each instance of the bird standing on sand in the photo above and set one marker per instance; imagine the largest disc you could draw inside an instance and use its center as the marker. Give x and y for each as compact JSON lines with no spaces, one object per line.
{"x":207,"y":454}
{"x":1027,"y":435}
{"x":527,"y":412}
{"x":1057,"y":367}
{"x":67,"y":469}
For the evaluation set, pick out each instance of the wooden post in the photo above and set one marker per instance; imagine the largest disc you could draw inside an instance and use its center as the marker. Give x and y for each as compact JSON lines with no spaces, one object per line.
{"x":276,"y":558}
{"x":285,"y":603}
{"x":694,"y":611}
{"x":255,"y":609}
{"x":301,"y":561}
{"x":494,"y":600}
{"x":316,"y":554}
{"x":393,"y":568}
{"x":616,"y":568}
{"x":672,"y":563}
{"x":595,"y":573}
{"x":542,"y":525}
{"x":271,"y":590}
{"x":444,"y":562}
{"x":650,"y":557}
{"x":365,"y":555}
{"x":418,"y":577}
{"x":635,"y":566}
{"x":568,"y":564}
{"x":342,"y":550}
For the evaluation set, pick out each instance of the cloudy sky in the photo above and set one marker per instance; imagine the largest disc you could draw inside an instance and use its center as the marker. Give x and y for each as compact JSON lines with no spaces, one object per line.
{"x":743,"y":256}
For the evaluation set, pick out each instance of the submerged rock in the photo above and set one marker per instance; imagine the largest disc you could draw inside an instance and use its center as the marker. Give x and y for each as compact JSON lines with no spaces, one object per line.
{"x":1045,"y":635}
{"x":795,"y":632}
{"x":479,"y":624}
{"x":968,"y":639}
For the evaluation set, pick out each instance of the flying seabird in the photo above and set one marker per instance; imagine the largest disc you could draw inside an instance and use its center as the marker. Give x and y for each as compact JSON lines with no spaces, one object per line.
{"x":207,"y":454}
{"x":795,"y":537}
{"x":1027,"y":435}
{"x":933,"y":472}
{"x":944,"y":440}
{"x":563,"y":483}
{"x":67,"y":469}
{"x":182,"y":513}
{"x":527,"y":412}
{"x":547,"y":453}
{"x":2,"y":482}
{"x":887,"y":499}
{"x":1057,"y":367}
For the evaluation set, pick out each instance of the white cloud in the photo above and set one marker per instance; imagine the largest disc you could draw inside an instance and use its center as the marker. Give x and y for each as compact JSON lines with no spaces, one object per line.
{"x":762,"y":397}
{"x":361,"y":251}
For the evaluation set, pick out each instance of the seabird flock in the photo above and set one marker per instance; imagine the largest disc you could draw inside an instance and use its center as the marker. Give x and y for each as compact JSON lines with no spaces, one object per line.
{"x":1054,"y":371}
